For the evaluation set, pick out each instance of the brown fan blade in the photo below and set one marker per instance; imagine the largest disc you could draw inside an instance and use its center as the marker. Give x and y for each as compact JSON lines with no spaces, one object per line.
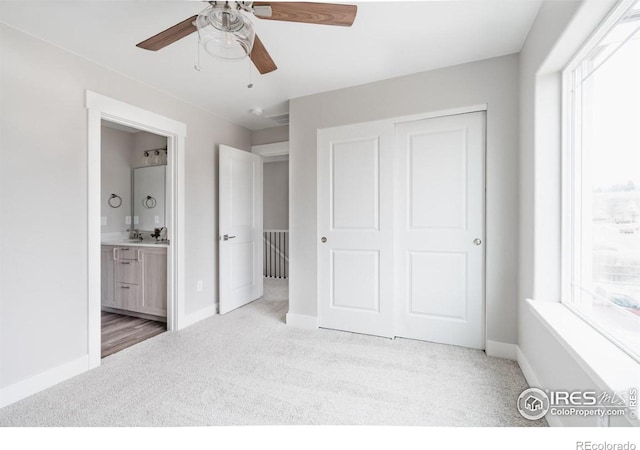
{"x":170,"y":35}
{"x":307,"y":12}
{"x":261,"y":58}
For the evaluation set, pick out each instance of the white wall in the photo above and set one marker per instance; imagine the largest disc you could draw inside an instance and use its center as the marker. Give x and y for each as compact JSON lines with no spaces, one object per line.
{"x":494,"y":82}
{"x":115,"y":177}
{"x":559,"y":30}
{"x":276,"y":195}
{"x":43,"y":149}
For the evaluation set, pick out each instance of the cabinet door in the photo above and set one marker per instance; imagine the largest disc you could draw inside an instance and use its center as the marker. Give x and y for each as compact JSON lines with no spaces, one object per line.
{"x":154,"y":285}
{"x":129,"y":271}
{"x":128,"y":296}
{"x":107,"y":281}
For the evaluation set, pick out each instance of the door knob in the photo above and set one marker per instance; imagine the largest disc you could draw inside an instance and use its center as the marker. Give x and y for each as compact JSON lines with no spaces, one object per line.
{"x":226,"y":237}
{"x":323,"y":239}
{"x":477,"y":241}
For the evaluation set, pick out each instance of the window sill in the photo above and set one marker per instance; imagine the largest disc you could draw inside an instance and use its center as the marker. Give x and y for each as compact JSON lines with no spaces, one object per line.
{"x":609,"y":367}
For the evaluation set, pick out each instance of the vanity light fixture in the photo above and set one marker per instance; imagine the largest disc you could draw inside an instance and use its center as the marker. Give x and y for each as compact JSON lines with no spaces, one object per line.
{"x":155,"y":157}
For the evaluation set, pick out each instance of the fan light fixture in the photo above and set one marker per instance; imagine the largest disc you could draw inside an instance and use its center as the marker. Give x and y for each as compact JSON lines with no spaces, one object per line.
{"x":225,"y":32}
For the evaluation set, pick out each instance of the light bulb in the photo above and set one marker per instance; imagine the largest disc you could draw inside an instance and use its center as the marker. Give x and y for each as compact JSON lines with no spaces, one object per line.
{"x":227,"y":42}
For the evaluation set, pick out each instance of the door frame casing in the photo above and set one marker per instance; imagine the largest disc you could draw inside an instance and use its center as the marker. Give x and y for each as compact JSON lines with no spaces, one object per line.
{"x":393,"y":121}
{"x":100,"y":108}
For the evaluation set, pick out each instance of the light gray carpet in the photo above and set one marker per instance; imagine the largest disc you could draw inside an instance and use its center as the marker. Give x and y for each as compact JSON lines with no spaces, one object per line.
{"x":249,"y":368}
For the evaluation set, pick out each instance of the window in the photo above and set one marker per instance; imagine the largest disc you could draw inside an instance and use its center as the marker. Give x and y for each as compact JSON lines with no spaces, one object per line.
{"x":601,"y":255}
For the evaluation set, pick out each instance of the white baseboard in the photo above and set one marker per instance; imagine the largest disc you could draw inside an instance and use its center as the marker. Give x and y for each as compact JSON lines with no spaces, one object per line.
{"x":532,"y":381}
{"x":22,"y":389}
{"x":502,"y":350}
{"x":197,"y":316}
{"x":527,"y":370}
{"x":302,"y":321}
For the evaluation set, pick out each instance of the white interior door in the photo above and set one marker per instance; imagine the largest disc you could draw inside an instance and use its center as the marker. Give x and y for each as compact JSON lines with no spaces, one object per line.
{"x":355,"y":229}
{"x":439,"y":229}
{"x":240,"y":227}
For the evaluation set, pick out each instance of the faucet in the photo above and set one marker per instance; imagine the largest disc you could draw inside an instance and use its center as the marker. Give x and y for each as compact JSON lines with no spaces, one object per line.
{"x":134,"y":233}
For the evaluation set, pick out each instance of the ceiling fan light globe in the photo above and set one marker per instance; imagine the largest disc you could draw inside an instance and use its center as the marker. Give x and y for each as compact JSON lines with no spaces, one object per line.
{"x":226,"y":35}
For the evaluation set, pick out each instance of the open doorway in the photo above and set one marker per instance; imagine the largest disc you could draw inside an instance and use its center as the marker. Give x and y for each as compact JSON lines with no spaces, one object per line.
{"x":134,"y":243}
{"x":102,"y":108}
{"x":275,"y":158}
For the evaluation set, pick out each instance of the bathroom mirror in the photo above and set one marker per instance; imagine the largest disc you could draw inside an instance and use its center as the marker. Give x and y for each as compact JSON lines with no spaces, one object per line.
{"x":148,"y":197}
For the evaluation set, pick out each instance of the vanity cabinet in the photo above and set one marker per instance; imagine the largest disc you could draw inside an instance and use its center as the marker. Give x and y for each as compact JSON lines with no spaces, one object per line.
{"x":108,"y":281}
{"x":134,"y":279}
{"x":154,"y":282}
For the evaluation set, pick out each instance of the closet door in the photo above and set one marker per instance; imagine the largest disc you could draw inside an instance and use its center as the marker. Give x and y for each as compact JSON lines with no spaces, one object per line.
{"x":439,"y":229}
{"x":355,"y":228}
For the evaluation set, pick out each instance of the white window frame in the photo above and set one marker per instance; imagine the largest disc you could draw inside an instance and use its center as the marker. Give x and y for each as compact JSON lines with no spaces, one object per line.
{"x":570,"y":160}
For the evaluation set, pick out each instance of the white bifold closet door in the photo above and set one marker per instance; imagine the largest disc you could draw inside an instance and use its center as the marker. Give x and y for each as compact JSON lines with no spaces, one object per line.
{"x":401,"y":214}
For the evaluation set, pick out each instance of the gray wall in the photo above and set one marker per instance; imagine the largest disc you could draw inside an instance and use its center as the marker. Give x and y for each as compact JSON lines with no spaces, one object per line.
{"x":275,"y":179}
{"x":120,"y":152}
{"x":270,"y":135}
{"x":276,"y":195}
{"x":494,"y":82}
{"x":43,"y":149}
{"x":115,"y":177}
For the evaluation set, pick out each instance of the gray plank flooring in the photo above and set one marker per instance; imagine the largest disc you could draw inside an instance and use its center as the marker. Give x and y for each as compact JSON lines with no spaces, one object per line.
{"x":120,"y":331}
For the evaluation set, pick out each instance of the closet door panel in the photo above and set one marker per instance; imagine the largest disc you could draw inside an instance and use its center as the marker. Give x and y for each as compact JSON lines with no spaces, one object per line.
{"x":439,"y":230}
{"x":355,"y":228}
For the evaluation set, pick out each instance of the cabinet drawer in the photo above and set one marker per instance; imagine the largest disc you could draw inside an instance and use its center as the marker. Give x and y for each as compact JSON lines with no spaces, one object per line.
{"x":127,"y":296}
{"x":127,"y":253}
{"x":128,"y":271}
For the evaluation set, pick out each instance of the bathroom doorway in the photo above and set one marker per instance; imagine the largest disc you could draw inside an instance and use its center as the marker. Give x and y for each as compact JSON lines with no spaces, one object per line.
{"x":133,"y":239}
{"x":155,"y":262}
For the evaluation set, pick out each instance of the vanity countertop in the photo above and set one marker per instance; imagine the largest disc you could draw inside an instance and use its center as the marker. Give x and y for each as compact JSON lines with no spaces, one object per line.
{"x":127,"y":243}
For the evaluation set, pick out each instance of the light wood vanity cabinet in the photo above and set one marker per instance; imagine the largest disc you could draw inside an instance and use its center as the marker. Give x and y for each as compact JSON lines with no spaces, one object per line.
{"x":154,"y":282}
{"x":108,"y":281}
{"x":134,"y":279}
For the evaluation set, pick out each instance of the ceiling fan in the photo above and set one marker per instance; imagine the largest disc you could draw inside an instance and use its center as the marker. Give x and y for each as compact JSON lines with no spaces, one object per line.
{"x":226,"y":32}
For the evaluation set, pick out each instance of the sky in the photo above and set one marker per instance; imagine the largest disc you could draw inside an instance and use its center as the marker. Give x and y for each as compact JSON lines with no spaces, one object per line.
{"x":615,"y":105}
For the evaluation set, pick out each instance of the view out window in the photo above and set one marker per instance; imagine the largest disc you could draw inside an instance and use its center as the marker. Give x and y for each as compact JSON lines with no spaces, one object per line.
{"x":602,"y":176}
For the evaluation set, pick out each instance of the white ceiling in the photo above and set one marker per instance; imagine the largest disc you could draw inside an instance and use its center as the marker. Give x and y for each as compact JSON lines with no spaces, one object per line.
{"x":388,"y":39}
